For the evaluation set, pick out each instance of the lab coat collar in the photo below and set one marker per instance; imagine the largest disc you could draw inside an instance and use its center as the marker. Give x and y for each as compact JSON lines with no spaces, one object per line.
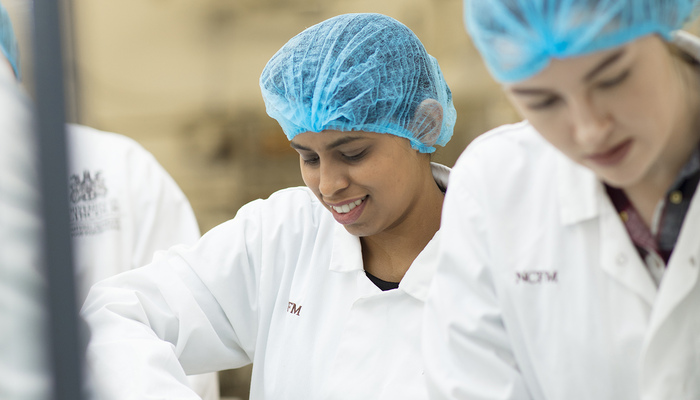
{"x":441,"y":174}
{"x":582,"y":197}
{"x":687,"y":42}
{"x":418,"y":277}
{"x":683,"y":270}
{"x":347,"y":251}
{"x":346,"y":255}
{"x":579,"y":191}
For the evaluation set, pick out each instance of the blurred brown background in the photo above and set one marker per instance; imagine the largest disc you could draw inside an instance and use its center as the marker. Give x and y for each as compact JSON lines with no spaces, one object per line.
{"x":181,"y":77}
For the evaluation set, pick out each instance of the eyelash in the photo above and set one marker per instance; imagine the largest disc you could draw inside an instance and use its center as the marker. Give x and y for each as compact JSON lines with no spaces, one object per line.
{"x":355,"y":157}
{"x":544,"y":104}
{"x":614,"y":81}
{"x":351,"y":158}
{"x":310,"y":161}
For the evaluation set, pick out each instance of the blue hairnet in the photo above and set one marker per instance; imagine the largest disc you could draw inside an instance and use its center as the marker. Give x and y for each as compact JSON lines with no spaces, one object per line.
{"x":358,"y":72}
{"x":518,"y":38}
{"x":8,"y":42}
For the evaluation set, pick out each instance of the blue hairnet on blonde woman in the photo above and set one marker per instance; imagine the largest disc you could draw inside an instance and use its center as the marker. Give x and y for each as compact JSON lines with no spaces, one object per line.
{"x":8,"y":41}
{"x":518,"y":38}
{"x":359,"y":72}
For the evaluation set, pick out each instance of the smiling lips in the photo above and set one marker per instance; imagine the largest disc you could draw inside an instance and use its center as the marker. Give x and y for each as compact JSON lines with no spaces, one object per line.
{"x":345,"y":208}
{"x":348,"y":212}
{"x":613,"y":156}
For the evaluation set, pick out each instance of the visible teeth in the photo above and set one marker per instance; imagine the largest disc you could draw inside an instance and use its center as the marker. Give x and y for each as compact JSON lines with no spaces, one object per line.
{"x":345,"y":208}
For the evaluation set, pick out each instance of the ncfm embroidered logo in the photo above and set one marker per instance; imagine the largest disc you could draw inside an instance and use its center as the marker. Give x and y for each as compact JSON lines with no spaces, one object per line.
{"x":292,"y":308}
{"x":535,"y":277}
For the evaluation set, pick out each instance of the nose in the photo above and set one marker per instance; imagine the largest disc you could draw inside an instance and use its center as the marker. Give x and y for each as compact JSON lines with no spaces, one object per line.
{"x":592,"y":124}
{"x":332,"y":179}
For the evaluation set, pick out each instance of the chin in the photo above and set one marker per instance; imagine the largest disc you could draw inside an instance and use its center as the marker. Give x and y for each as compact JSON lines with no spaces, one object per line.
{"x":620,"y":181}
{"x":622,"y":176}
{"x":358,"y":230}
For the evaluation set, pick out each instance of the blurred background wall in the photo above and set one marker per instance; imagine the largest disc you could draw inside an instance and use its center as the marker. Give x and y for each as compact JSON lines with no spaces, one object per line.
{"x":181,"y":77}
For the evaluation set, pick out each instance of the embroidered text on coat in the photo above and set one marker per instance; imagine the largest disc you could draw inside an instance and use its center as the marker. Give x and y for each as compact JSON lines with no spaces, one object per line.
{"x":293,"y":309}
{"x":534,"y":277}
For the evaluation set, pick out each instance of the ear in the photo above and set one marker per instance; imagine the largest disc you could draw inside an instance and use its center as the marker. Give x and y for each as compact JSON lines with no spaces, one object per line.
{"x":427,"y":121}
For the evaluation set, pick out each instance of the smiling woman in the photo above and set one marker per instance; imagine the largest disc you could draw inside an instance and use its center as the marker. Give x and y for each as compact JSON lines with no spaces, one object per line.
{"x":356,"y":177}
{"x":321,"y":287}
{"x":595,"y":190}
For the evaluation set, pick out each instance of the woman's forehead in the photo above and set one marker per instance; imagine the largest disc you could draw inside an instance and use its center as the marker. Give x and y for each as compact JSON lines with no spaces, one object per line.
{"x":584,"y":68}
{"x":331,"y":138}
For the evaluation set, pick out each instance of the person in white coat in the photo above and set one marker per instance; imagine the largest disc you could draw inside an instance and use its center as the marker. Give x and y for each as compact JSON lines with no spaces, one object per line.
{"x":24,"y":364}
{"x":320,"y":287}
{"x":570,"y":256}
{"x":123,"y":205}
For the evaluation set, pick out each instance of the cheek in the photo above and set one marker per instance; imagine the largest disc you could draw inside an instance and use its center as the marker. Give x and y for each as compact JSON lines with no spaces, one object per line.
{"x":552,"y":124}
{"x":648,"y":100}
{"x":310,"y":177}
{"x":646,"y":111}
{"x":554,"y":128}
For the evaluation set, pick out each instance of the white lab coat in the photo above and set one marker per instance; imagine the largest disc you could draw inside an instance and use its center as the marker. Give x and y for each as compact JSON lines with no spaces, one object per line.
{"x":540,"y":293}
{"x":123,"y":208}
{"x":24,"y":371}
{"x":281,"y":285}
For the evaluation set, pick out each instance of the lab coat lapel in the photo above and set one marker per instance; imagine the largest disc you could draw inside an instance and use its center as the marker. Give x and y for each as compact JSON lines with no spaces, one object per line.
{"x":417,"y":280}
{"x":681,"y":275}
{"x":618,"y":256}
{"x":347,"y":251}
{"x":578,"y":189}
{"x":582,"y":197}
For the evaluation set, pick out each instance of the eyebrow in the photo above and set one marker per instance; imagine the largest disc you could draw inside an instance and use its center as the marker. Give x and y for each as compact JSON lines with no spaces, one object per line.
{"x":608,"y":61}
{"x":339,"y":142}
{"x":611,"y":59}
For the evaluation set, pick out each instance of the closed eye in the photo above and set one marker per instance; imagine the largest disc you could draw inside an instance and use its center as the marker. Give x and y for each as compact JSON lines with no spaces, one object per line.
{"x":546,"y":103}
{"x":355,"y":156}
{"x":310,"y":161}
{"x":614,"y":81}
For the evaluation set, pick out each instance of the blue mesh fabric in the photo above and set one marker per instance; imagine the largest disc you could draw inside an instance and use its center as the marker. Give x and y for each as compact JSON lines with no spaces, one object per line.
{"x":358,"y":72}
{"x":8,"y":41}
{"x":517,"y":38}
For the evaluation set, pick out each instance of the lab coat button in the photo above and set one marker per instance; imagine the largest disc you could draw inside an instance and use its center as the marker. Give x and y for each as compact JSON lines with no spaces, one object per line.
{"x":621,"y":259}
{"x":624,"y":216}
{"x":693,"y":262}
{"x":676,"y":197}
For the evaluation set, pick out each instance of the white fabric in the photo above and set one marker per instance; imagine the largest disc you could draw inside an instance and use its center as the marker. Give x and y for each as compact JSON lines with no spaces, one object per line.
{"x":540,"y":293}
{"x":123,"y":208}
{"x":24,"y":371}
{"x":281,"y":285}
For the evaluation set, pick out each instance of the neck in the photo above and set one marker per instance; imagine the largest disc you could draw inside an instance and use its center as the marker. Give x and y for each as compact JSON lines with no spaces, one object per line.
{"x":646,"y":195}
{"x":389,"y":254}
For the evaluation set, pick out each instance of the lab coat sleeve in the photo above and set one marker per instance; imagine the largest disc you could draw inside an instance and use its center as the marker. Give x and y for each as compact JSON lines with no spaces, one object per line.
{"x":193,"y":310}
{"x":164,"y":214}
{"x":466,"y":345}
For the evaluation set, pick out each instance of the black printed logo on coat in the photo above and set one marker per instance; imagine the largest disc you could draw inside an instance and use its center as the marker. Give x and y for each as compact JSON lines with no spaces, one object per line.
{"x":91,"y":211}
{"x":535,"y":277}
{"x":88,"y":188}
